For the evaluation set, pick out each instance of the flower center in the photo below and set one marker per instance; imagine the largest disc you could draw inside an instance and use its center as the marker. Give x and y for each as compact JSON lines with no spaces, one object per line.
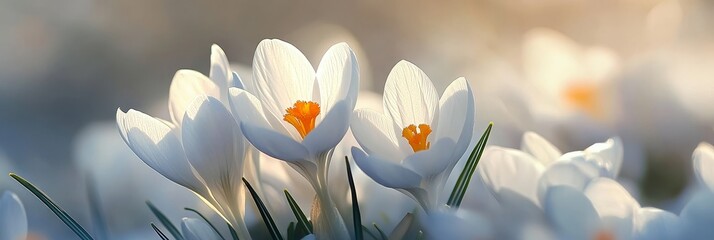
{"x":584,"y":97}
{"x":417,"y":139}
{"x":302,"y":116}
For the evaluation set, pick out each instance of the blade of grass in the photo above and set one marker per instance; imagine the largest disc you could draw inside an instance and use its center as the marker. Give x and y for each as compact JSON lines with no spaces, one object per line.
{"x":356,"y":216}
{"x":457,"y":194}
{"x":234,"y":234}
{"x":69,"y":221}
{"x":206,"y":220}
{"x":161,"y":234}
{"x":292,"y":234}
{"x":272,"y":228}
{"x":381,"y":233}
{"x":299,"y":214}
{"x":165,"y":221}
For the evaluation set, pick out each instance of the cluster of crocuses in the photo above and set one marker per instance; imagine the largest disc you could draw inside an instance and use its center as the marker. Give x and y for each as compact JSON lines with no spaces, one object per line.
{"x":226,"y":132}
{"x":291,"y":112}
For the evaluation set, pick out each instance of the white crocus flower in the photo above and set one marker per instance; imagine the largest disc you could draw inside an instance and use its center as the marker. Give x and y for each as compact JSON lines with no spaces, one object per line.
{"x":414,"y":146}
{"x":205,"y":154}
{"x":604,"y":210}
{"x":13,"y":219}
{"x":515,"y":203}
{"x":295,"y":114}
{"x":198,"y":229}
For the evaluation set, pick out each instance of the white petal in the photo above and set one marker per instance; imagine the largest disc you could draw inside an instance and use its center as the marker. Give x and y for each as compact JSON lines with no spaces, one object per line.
{"x":375,"y":133}
{"x":433,"y":161}
{"x":652,"y":223}
{"x":281,"y":76}
{"x":220,"y":73}
{"x":338,"y":77}
{"x":571,"y":213}
{"x":197,"y":229}
{"x":273,"y":143}
{"x":610,"y":199}
{"x":185,"y":86}
{"x":540,"y":148}
{"x":247,"y":108}
{"x":215,"y":147}
{"x":563,"y":174}
{"x":611,"y":152}
{"x":328,"y":133}
{"x":410,"y":96}
{"x":697,"y":217}
{"x":13,"y":219}
{"x":703,"y":161}
{"x":159,"y":147}
{"x":385,"y":172}
{"x":497,"y":169}
{"x":614,"y":205}
{"x":456,"y":116}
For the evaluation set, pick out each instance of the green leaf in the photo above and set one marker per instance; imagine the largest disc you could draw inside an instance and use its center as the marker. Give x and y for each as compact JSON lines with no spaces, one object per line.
{"x":292,"y":235}
{"x":267,"y":219}
{"x":206,"y":220}
{"x":381,"y":233}
{"x":459,"y":191}
{"x":356,"y":216}
{"x":234,"y":234}
{"x":161,"y":234}
{"x":302,"y":221}
{"x":69,"y":221}
{"x":165,"y":221}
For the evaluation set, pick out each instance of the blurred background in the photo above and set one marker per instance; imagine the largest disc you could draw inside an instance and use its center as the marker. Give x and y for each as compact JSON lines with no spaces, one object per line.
{"x":574,"y":71}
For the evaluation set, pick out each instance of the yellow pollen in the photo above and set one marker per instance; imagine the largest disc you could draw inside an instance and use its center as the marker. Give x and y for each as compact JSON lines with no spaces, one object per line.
{"x":417,"y":139}
{"x":302,"y":116}
{"x":584,"y":97}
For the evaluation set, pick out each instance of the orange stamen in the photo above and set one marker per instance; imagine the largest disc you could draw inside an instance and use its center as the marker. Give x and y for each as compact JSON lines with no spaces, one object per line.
{"x":418,"y":139}
{"x":302,"y":116}
{"x":584,"y":97}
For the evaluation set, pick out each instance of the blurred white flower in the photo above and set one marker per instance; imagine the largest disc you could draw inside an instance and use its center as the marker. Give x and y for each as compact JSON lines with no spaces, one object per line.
{"x":13,"y":219}
{"x":515,"y":203}
{"x":294,"y":114}
{"x":198,"y":229}
{"x":203,"y":148}
{"x":605,"y":210}
{"x":410,"y":163}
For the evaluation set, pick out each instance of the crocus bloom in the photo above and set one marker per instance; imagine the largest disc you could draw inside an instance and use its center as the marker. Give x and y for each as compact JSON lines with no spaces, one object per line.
{"x":296,"y":114}
{"x":414,"y":145}
{"x":202,"y":148}
{"x":515,"y":203}
{"x":13,"y":219}
{"x":605,"y":210}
